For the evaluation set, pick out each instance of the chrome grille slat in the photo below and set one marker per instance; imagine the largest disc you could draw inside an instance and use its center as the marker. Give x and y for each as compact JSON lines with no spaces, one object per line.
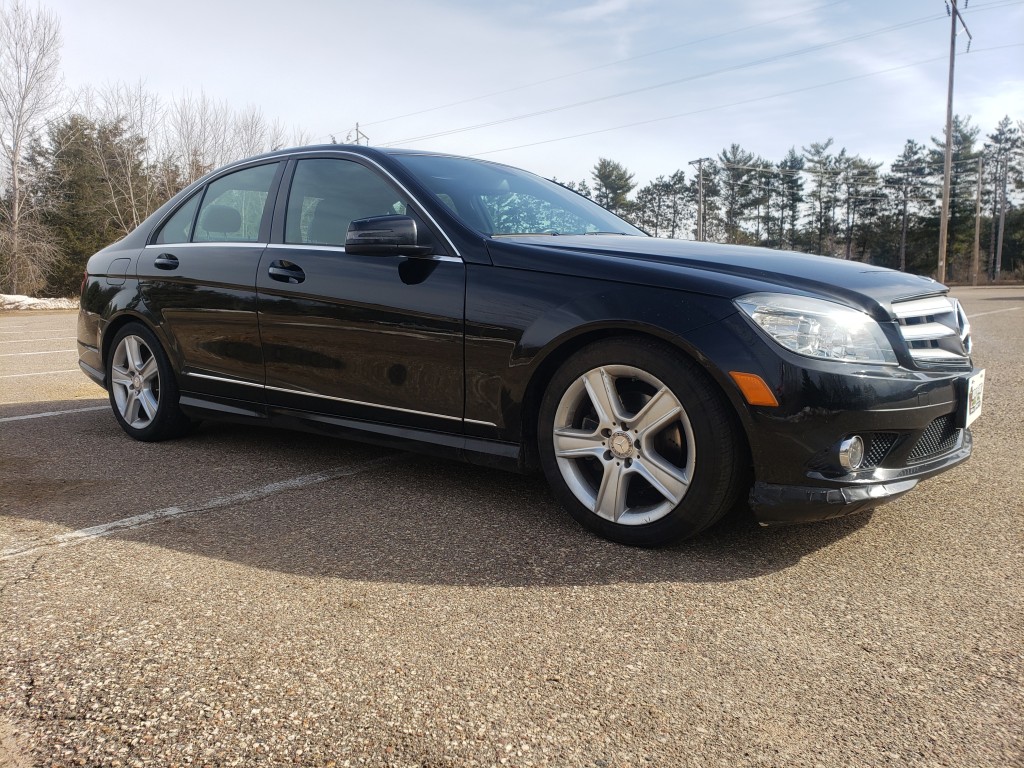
{"x":926,"y":331}
{"x":936,"y":331}
{"x":922,"y":307}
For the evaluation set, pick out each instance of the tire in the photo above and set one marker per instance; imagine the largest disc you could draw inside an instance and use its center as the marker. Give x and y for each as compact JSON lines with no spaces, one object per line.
{"x":142,"y":388}
{"x":638,"y":443}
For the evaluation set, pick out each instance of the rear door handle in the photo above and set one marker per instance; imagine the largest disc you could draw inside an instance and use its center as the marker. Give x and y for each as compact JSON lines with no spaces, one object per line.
{"x":166,"y":261}
{"x":286,"y":272}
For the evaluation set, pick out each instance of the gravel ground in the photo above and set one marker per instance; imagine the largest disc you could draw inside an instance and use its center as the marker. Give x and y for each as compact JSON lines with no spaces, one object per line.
{"x":314,"y":602}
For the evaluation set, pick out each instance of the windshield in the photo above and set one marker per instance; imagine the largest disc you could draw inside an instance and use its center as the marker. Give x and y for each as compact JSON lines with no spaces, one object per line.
{"x":498,"y":200}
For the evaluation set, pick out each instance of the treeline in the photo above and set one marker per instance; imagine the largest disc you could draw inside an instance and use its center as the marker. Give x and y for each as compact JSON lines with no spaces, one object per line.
{"x":828,"y":201}
{"x":78,"y":172}
{"x":96,"y":174}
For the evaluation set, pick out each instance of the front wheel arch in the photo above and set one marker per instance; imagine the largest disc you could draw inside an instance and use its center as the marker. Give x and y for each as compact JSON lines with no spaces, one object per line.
{"x":556,"y":356}
{"x":694,"y":494}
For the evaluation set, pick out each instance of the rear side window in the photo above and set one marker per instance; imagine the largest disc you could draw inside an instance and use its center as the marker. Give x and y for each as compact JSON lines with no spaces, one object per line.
{"x":328,"y":194}
{"x":178,"y":228}
{"x":233,"y":206}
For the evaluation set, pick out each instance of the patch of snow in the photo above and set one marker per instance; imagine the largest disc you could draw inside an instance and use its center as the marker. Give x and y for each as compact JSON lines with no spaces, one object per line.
{"x":27,"y":302}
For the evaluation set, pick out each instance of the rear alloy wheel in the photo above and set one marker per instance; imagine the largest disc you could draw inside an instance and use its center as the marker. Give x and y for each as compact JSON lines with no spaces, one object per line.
{"x":143,"y":393}
{"x":638,"y":444}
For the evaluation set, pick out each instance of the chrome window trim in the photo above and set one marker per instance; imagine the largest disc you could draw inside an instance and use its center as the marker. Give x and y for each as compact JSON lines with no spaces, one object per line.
{"x":389,"y":175}
{"x":341,"y":249}
{"x":206,"y":243}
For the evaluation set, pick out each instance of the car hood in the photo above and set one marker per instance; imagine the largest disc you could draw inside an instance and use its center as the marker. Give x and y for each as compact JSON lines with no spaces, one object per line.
{"x":723,"y":270}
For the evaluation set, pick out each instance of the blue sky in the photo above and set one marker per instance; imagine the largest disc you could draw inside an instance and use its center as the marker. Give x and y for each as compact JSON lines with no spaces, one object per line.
{"x":687,"y":79}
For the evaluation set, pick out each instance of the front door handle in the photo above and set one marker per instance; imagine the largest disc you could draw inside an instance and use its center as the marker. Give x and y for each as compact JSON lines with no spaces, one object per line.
{"x":286,"y":272}
{"x":166,"y":261}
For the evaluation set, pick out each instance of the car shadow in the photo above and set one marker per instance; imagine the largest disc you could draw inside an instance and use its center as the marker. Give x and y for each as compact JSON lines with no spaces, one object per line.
{"x":407,"y":518}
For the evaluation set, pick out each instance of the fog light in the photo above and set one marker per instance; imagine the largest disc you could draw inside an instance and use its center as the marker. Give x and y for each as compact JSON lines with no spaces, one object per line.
{"x":851,"y":453}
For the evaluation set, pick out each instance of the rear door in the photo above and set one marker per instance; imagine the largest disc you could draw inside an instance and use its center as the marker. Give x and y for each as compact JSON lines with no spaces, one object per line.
{"x":197,"y":279}
{"x":371,"y":338}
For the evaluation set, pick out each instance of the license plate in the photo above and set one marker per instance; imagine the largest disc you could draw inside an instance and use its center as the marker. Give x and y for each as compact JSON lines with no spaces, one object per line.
{"x":975,"y":392}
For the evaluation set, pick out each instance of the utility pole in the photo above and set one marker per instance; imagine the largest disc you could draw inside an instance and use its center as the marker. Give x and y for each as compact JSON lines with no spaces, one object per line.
{"x":359,"y":137}
{"x":977,"y":227}
{"x":1002,"y":220}
{"x":955,"y":15}
{"x":701,"y":234}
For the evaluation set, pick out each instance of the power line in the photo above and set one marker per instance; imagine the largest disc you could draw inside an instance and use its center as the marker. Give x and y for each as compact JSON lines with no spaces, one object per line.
{"x":996,"y":4}
{"x":742,"y":102}
{"x":606,"y":65}
{"x":676,"y":81}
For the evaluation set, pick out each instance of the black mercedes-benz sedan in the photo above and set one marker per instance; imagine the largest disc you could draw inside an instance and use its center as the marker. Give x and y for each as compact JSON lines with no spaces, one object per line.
{"x":478,"y":311}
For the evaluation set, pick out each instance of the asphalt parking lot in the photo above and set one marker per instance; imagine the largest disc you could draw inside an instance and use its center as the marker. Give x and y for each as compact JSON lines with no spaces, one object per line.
{"x":255,"y":597}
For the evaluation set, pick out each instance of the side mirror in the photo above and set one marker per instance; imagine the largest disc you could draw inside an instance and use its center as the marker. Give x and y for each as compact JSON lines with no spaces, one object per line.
{"x":385,"y":236}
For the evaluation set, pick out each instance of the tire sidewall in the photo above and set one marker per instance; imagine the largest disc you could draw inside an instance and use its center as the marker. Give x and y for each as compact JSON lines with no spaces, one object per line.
{"x":169,"y":421}
{"x":710,"y":494}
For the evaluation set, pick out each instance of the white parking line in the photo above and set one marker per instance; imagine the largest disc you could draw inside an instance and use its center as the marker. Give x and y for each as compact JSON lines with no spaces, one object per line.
{"x":41,"y":373}
{"x":27,"y":341}
{"x":47,"y":352}
{"x":992,"y":312}
{"x":53,"y":413}
{"x":147,"y":518}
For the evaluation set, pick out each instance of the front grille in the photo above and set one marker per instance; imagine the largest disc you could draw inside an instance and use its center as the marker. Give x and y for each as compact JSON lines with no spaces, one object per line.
{"x":941,"y":436}
{"x":936,"y":331}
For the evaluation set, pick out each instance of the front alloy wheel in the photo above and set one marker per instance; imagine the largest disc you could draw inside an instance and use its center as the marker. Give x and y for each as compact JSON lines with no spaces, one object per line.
{"x":624,"y":444}
{"x":639,"y":444}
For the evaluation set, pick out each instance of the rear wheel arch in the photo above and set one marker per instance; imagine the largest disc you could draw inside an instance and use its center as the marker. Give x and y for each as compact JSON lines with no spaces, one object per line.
{"x":141,"y":383}
{"x":115,"y":324}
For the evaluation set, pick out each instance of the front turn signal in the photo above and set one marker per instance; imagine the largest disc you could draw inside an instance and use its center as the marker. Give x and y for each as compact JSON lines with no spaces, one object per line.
{"x":754,"y":389}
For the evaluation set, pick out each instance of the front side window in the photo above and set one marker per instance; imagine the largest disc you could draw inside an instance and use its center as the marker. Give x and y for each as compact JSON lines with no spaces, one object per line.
{"x":327,"y":194}
{"x":233,"y":206}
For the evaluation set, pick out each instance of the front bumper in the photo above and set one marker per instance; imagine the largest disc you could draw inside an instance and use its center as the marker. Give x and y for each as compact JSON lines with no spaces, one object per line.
{"x":780,"y":504}
{"x":912,"y":421}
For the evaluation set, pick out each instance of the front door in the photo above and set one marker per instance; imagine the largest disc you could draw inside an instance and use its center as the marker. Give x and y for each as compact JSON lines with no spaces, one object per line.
{"x":369,"y":338}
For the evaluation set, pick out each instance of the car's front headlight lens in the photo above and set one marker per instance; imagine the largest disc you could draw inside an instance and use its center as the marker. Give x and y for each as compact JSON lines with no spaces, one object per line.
{"x":818,"y":328}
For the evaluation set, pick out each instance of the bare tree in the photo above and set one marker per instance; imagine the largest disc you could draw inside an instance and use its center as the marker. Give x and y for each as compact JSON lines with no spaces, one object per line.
{"x":200,"y":134}
{"x":252,"y":134}
{"x":126,"y":149}
{"x":30,"y":90}
{"x":301,"y":136}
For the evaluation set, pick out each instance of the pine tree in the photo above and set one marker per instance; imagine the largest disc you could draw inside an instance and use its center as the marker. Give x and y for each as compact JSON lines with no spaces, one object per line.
{"x":960,"y":233}
{"x":612,"y":185}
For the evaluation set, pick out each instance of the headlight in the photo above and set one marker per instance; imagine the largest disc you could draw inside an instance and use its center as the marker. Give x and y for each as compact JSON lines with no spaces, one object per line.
{"x":818,"y":328}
